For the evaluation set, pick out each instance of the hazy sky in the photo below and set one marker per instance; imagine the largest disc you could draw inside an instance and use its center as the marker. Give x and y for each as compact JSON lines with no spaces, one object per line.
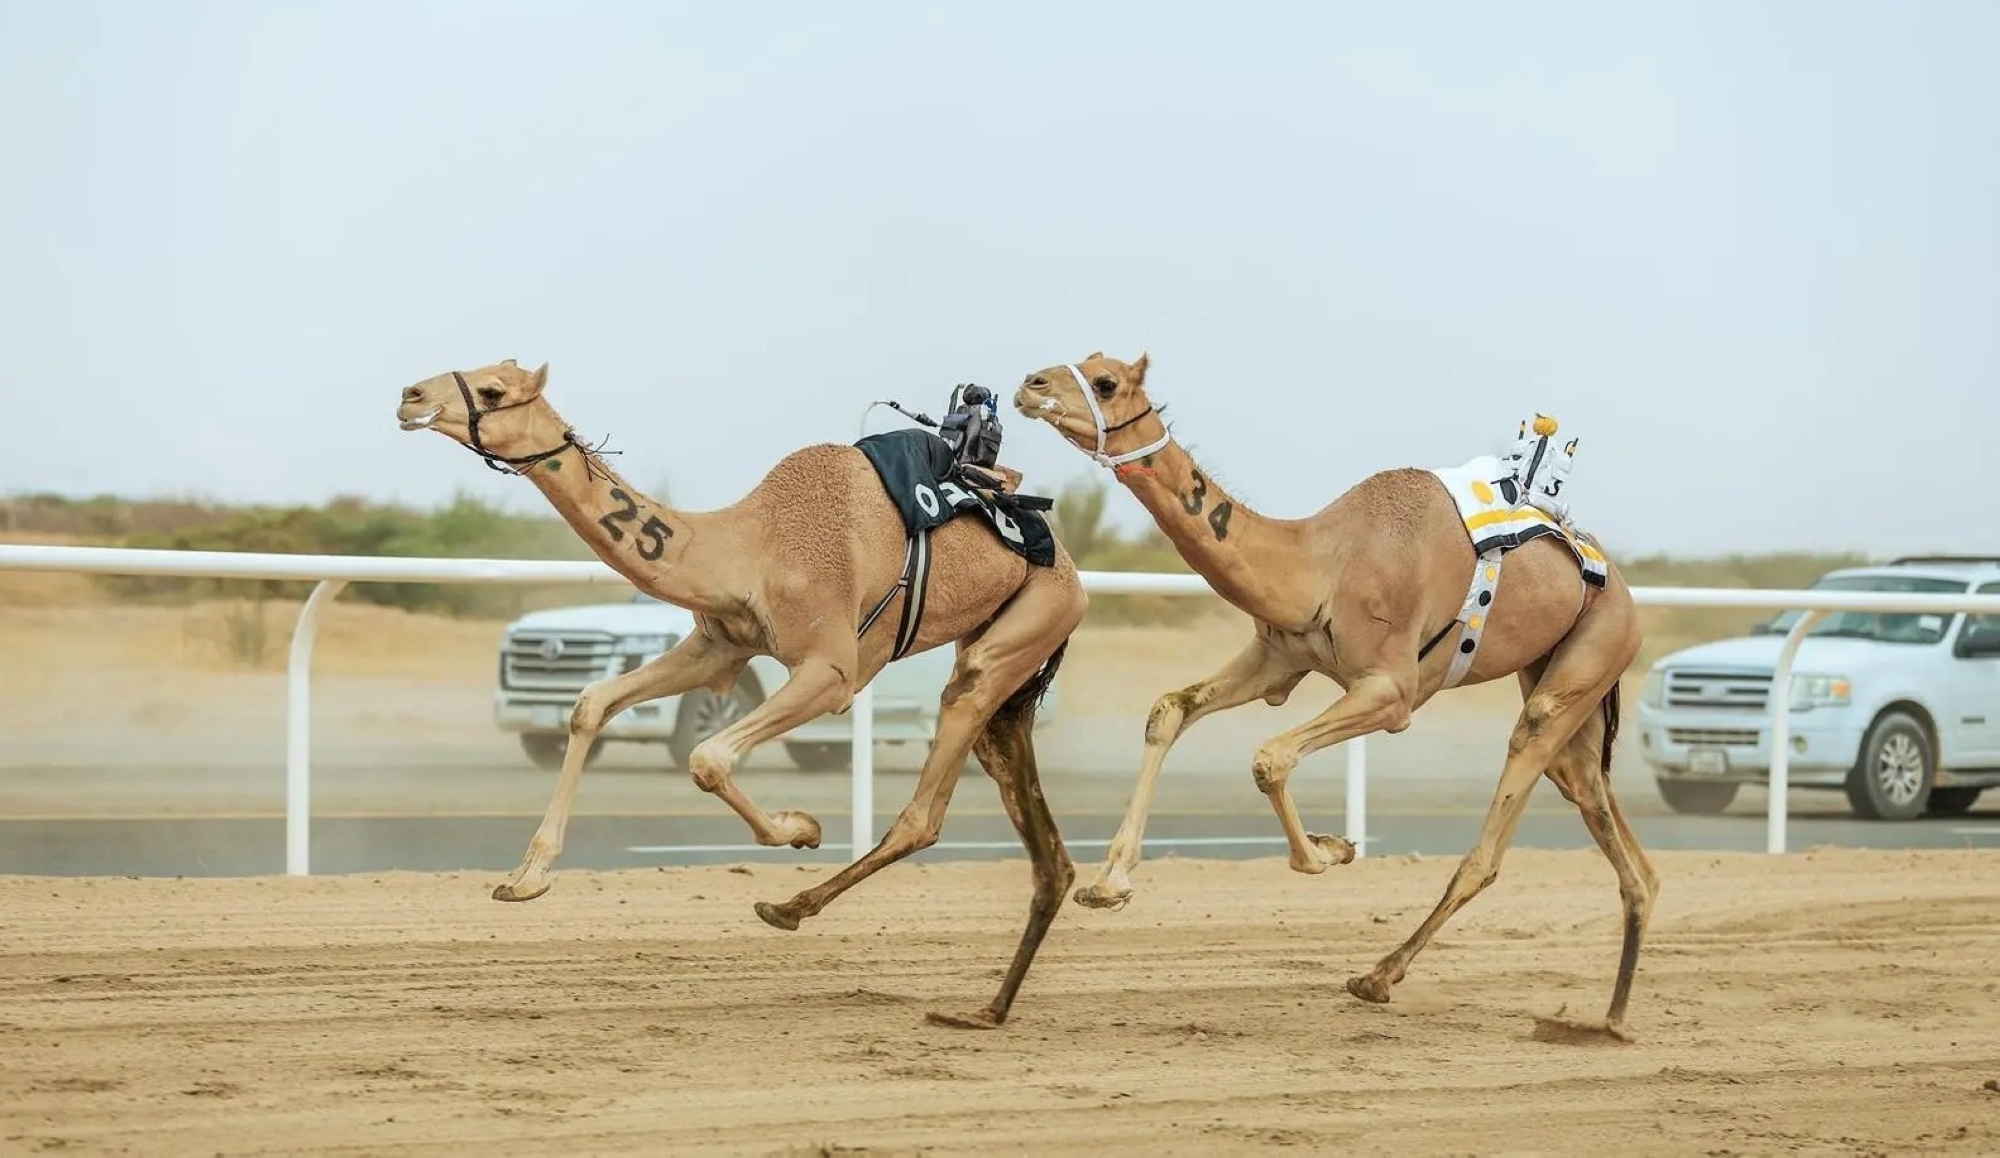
{"x":1745,"y":251}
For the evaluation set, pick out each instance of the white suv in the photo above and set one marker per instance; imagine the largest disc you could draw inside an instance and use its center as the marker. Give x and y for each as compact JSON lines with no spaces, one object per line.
{"x":1902,"y":712}
{"x":548,"y":657}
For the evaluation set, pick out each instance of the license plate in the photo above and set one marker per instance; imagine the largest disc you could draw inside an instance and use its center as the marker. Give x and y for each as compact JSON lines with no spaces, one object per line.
{"x":1708,"y":762}
{"x":547,"y":716}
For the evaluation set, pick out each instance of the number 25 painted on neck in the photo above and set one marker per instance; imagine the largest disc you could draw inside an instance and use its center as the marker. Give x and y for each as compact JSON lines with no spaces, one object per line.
{"x":651,"y":542}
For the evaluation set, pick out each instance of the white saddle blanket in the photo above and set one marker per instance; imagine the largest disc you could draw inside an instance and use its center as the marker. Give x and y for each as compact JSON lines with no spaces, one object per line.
{"x":1488,"y":498}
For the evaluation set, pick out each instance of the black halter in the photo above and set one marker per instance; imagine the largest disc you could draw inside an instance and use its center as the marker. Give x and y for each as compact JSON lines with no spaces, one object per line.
{"x":521,"y":464}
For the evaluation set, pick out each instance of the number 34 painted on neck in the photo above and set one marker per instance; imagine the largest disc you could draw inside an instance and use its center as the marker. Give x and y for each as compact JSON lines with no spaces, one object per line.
{"x":1218,"y":519}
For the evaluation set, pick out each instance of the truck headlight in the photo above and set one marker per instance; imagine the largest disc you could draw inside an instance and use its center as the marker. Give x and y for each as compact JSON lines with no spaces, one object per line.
{"x":648,"y":645}
{"x":1819,"y":691}
{"x":1654,"y":693}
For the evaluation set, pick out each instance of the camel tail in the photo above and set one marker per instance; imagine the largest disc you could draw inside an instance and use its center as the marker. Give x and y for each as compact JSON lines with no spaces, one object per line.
{"x":1022,"y":705}
{"x":1609,"y":705}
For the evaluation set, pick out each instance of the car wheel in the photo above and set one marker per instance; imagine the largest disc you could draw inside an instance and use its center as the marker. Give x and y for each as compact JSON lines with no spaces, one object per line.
{"x":1953,"y":801}
{"x":1892,"y":779}
{"x":703,"y":713}
{"x":821,"y":757}
{"x":1695,"y":796}
{"x":546,"y":749}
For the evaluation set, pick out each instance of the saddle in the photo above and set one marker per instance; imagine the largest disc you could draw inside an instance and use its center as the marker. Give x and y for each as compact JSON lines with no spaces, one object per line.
{"x":930,"y":488}
{"x":1507,"y":500}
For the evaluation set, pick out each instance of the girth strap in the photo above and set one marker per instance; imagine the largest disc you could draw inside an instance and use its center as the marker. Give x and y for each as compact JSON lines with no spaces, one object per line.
{"x":915,"y":583}
{"x":1475,"y":612}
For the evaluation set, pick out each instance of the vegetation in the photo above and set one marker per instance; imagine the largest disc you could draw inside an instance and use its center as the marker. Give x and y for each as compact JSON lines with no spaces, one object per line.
{"x":464,"y":528}
{"x":467,"y":527}
{"x":1095,"y":545}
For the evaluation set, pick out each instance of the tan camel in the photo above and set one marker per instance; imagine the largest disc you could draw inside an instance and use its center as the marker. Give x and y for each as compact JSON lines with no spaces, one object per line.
{"x":1364,"y":591}
{"x":798,"y":569}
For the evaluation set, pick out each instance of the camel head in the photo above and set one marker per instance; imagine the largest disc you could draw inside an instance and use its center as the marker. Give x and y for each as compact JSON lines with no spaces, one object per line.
{"x":496,"y":410}
{"x":1089,"y":402}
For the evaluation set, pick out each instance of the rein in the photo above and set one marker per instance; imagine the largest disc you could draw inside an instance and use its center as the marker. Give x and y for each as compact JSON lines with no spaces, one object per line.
{"x":523,"y":463}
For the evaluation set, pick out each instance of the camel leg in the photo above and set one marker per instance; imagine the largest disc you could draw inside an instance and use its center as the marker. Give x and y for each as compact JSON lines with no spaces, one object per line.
{"x":695,"y":661}
{"x":991,"y":666}
{"x":1645,"y":863}
{"x":1006,"y":749}
{"x":1256,"y":671}
{"x":1376,"y":702}
{"x":1578,"y":772}
{"x":1563,"y":700}
{"x":815,"y":688}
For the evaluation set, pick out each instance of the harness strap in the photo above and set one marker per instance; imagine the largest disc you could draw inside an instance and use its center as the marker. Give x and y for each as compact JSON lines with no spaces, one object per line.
{"x":1097,"y":420}
{"x":917,"y":574}
{"x":523,"y":463}
{"x":915,"y":582}
{"x":1485,"y":581}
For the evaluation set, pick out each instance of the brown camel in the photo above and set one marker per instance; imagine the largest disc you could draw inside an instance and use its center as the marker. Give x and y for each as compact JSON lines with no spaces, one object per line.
{"x":800,"y":569}
{"x":1365,"y":591}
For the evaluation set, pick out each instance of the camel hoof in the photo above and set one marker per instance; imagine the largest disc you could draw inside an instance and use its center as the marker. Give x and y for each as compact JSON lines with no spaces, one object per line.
{"x":1369,"y":988}
{"x":510,"y":892}
{"x":1321,"y":853}
{"x":776,"y":917}
{"x":1569,"y":1032}
{"x":805,"y":830}
{"x":984,"y":1019}
{"x":1101,"y":897}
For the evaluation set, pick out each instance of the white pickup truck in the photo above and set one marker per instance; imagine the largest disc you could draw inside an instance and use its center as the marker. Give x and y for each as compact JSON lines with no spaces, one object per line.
{"x":548,"y":657}
{"x":1901,"y":712}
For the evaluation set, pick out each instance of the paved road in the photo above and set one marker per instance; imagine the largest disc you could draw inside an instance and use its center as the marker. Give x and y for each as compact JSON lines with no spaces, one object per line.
{"x":250,"y":846}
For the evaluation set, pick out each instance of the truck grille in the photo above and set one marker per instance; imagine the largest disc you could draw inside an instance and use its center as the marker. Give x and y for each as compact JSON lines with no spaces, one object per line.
{"x":554,"y":661}
{"x":1718,"y":689}
{"x":1719,"y":737}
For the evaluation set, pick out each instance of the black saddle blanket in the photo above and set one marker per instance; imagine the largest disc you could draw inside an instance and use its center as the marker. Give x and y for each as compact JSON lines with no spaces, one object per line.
{"x":916,"y":469}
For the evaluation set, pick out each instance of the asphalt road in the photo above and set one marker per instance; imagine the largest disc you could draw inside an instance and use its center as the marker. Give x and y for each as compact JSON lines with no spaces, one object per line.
{"x":245,"y":846}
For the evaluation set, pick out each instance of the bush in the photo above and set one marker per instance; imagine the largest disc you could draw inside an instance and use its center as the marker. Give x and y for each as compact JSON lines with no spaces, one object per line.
{"x":464,"y":528}
{"x":1078,"y":520}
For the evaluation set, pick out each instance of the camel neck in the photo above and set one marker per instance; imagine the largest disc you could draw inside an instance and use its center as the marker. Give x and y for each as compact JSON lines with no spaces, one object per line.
{"x":638,"y":537}
{"x":1214,"y":533}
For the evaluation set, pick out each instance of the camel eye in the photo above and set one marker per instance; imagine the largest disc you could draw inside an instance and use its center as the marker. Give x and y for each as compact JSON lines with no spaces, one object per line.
{"x":1105,"y":386}
{"x":491,"y":395}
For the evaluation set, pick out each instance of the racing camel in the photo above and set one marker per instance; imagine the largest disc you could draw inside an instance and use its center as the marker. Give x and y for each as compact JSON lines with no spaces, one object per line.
{"x":1394,"y":592}
{"x":841,"y":559}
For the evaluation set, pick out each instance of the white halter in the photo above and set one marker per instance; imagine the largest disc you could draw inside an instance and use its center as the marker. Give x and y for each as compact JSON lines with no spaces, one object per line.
{"x":1097,"y":418}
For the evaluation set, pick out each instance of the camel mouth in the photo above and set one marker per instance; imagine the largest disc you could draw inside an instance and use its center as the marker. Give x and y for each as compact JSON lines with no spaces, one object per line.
{"x":422,"y":423}
{"x":1030,"y":407}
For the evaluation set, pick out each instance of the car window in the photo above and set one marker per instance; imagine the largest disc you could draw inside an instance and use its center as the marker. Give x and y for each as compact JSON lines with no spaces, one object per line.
{"x":1888,"y":627}
{"x":1984,"y":623}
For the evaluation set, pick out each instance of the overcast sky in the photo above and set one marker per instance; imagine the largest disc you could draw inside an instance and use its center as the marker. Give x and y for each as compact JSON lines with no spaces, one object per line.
{"x":1745,"y":251}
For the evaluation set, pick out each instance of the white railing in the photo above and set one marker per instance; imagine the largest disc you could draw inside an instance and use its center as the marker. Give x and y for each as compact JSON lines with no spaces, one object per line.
{"x":332,"y":573}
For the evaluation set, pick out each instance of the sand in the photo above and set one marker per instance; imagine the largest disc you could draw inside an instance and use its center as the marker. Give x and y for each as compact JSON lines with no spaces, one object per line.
{"x":1838,"y":1001}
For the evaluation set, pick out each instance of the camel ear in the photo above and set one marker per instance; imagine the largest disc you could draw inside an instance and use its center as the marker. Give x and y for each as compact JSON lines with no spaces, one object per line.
{"x":540,"y":380}
{"x":508,"y":362}
{"x":1139,"y":371}
{"x":1093,"y":356}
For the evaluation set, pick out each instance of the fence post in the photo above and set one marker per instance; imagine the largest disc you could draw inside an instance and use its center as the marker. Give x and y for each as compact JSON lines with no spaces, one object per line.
{"x":298,"y":730}
{"x":862,"y":800}
{"x":1780,"y":707}
{"x":1357,"y":795}
{"x":861,"y":783}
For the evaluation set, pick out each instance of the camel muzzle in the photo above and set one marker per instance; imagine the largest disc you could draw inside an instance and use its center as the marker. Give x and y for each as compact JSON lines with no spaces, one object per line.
{"x":1030,"y":405}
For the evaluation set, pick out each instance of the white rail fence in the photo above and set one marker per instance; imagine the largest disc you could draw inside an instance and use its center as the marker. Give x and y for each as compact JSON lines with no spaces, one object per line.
{"x":332,"y":573}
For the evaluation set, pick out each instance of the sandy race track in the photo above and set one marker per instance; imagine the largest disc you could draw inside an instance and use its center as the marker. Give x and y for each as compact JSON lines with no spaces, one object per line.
{"x":1836,"y":1001}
